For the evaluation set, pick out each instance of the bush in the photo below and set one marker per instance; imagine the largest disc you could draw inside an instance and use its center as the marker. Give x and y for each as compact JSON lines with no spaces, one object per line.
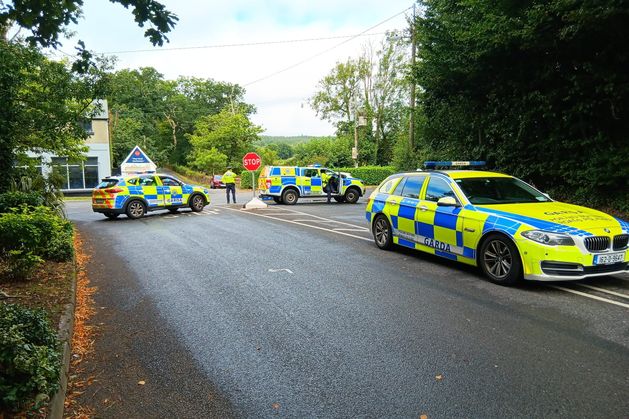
{"x":17,"y":265}
{"x":370,"y":175}
{"x":30,"y":357}
{"x":40,"y":232}
{"x":17,"y":199}
{"x":245,"y":179}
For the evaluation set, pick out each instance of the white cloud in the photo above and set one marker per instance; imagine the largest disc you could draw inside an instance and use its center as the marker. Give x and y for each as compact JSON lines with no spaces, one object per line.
{"x":280,"y":100}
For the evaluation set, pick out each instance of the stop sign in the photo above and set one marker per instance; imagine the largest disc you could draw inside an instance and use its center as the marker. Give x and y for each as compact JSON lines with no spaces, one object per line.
{"x":251,"y":161}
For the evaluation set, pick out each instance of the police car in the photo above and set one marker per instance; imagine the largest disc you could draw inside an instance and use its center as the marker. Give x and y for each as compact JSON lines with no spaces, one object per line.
{"x":137,"y":194}
{"x":498,"y":222}
{"x":286,"y":184}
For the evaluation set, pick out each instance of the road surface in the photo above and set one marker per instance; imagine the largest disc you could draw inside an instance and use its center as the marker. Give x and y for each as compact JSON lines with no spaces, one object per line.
{"x":294,"y":312}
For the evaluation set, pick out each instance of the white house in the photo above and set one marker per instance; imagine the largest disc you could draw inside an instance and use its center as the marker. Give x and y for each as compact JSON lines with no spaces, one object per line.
{"x":83,"y":175}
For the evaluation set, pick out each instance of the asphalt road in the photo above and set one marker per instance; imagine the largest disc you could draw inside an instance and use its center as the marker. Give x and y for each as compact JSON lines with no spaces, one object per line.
{"x":294,"y":312}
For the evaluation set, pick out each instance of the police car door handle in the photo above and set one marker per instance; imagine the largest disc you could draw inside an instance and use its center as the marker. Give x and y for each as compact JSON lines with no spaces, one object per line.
{"x":469,"y":230}
{"x":423,"y":208}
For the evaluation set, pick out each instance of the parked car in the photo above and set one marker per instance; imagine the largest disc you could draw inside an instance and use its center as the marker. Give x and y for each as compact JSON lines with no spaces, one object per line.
{"x":216,"y":182}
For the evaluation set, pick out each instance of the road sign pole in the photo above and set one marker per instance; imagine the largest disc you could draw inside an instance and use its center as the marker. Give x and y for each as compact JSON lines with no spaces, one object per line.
{"x":253,"y":183}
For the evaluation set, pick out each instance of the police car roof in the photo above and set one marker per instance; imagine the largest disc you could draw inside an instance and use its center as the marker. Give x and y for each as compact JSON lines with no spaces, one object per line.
{"x":461,"y":174}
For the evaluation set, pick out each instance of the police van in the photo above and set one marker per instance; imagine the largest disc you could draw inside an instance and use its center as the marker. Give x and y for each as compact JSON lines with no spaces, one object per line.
{"x":286,"y":184}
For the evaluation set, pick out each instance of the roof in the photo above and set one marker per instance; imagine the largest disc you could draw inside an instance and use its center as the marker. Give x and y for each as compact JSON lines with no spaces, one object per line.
{"x":463,"y":174}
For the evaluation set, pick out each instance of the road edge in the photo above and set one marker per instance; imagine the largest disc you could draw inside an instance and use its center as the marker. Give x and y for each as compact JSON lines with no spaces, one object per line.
{"x":66,"y":330}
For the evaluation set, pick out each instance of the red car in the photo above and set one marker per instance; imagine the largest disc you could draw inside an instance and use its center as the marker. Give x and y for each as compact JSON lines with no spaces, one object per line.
{"x":216,"y":182}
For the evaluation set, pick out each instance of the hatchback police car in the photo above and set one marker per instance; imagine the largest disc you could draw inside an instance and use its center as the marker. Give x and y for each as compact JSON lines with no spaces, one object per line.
{"x":286,"y":184}
{"x":137,"y":194}
{"x":497,"y":222}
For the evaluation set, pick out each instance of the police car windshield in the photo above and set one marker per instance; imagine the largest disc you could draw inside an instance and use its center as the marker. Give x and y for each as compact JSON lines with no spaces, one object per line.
{"x":499,"y":190}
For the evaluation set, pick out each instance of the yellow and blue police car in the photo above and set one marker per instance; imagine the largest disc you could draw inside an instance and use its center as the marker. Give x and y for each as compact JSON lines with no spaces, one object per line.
{"x":135,"y":195}
{"x":498,"y":222}
{"x":286,"y":184}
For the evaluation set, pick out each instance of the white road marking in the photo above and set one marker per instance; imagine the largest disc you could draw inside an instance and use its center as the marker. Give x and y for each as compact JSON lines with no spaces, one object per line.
{"x":594,"y":297}
{"x":337,"y":231}
{"x":315,"y":221}
{"x":617,"y":294}
{"x":323,"y":218}
{"x":350,"y":229}
{"x":281,"y":270}
{"x":301,"y":224}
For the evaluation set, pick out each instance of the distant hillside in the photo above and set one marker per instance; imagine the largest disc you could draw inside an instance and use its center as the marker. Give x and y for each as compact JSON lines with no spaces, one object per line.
{"x":267,"y":139}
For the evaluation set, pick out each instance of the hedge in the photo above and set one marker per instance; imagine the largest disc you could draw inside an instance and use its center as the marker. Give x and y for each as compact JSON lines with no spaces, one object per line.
{"x":40,"y":232}
{"x":370,"y":175}
{"x":245,"y":179}
{"x":12,"y":200}
{"x":30,"y":357}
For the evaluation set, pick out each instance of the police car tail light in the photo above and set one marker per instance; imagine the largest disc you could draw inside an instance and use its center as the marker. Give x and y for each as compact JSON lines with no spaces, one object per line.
{"x":114,"y":190}
{"x":547,"y":238}
{"x":268,"y":183}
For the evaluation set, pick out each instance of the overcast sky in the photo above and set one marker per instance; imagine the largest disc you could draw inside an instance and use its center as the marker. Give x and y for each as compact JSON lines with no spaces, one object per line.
{"x":281,"y":100}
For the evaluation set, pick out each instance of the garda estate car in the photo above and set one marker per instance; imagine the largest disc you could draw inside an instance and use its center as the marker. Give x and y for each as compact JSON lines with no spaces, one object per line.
{"x":497,"y":222}
{"x":286,"y":184}
{"x":135,"y":195}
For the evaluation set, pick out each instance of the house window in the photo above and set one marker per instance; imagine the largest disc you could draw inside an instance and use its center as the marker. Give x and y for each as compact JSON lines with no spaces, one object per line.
{"x":31,"y":166}
{"x":76,"y":174}
{"x":86,"y":124}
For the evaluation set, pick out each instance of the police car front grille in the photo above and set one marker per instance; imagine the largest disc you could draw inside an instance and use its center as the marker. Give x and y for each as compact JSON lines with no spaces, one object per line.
{"x":596,"y":243}
{"x":621,"y":241}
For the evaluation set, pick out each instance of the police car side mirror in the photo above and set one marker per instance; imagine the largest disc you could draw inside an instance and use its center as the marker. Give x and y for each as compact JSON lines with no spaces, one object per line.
{"x":447,"y":201}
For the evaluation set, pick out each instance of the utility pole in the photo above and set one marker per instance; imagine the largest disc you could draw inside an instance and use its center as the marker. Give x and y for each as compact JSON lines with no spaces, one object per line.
{"x":411,"y":124}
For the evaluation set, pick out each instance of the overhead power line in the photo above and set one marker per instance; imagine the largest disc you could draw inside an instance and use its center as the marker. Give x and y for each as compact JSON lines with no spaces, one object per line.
{"x":312,"y":57}
{"x":243,"y":44}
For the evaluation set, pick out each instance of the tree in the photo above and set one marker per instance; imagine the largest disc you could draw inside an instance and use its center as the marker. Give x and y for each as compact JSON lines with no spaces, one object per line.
{"x":372,"y":85}
{"x":209,"y":161}
{"x":539,"y":89}
{"x":46,"y":20}
{"x":43,"y":104}
{"x":232,"y":134}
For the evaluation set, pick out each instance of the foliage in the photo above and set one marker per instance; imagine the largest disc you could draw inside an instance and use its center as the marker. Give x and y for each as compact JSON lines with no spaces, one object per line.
{"x":325,"y":151}
{"x":43,"y":102}
{"x":17,"y":199}
{"x":209,"y":161}
{"x":245,"y":179}
{"x":29,"y":356}
{"x":232,"y":134}
{"x":40,"y":232}
{"x":18,"y":265}
{"x":49,"y":189}
{"x":158,"y":114}
{"x":371,"y":86}
{"x":370,"y":175}
{"x":538,"y":89}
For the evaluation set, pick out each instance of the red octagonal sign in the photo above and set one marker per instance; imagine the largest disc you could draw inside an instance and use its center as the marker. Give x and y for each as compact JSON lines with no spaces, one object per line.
{"x":251,"y":161}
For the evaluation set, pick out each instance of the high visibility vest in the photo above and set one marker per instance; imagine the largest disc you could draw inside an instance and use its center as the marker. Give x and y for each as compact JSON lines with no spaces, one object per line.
{"x":229,"y":177}
{"x":324,"y":178}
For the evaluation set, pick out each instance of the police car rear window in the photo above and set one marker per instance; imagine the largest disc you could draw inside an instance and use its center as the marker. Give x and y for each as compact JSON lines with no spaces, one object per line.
{"x":107,"y":183}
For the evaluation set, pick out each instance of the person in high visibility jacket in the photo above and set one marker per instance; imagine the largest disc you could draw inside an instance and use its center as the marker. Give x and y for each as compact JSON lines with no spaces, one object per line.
{"x":327,"y":187}
{"x":229,"y":179}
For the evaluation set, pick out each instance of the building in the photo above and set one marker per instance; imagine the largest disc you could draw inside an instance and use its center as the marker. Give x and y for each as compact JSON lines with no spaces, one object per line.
{"x":82,"y":176}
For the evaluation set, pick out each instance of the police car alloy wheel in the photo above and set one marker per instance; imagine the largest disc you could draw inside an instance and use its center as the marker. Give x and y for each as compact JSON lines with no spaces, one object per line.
{"x":351,"y":196}
{"x":382,"y":233}
{"x":197,"y":203}
{"x":135,"y":209}
{"x":500,"y":261}
{"x":289,"y":197}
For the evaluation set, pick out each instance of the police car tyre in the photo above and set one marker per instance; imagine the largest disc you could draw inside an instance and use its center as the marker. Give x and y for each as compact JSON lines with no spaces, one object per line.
{"x":339,"y":198}
{"x":290,"y":196}
{"x":277,"y":199}
{"x":197,"y":203}
{"x":351,"y":196}
{"x":111,"y":215}
{"x":173,"y":210}
{"x":382,"y":233}
{"x":136,"y":209}
{"x":500,"y":260}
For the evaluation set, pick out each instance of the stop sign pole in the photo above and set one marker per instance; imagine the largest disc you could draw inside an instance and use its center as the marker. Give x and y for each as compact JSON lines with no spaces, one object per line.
{"x":252,"y":162}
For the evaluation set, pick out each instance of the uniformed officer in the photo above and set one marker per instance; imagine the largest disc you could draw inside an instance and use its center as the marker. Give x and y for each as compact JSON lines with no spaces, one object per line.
{"x":229,"y":179}
{"x":327,"y":187}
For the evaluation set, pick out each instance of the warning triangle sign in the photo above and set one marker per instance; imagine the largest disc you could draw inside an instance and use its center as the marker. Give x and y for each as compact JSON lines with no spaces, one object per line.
{"x":137,"y":156}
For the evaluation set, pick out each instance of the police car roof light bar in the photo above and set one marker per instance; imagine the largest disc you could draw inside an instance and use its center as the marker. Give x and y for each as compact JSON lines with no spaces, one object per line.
{"x":445,"y":164}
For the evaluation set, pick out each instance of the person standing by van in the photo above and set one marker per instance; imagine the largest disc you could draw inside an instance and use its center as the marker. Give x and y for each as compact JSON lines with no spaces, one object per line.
{"x":229,"y":179}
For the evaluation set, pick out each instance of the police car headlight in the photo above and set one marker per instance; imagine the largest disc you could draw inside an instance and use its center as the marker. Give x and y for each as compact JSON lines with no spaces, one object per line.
{"x":547,"y":238}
